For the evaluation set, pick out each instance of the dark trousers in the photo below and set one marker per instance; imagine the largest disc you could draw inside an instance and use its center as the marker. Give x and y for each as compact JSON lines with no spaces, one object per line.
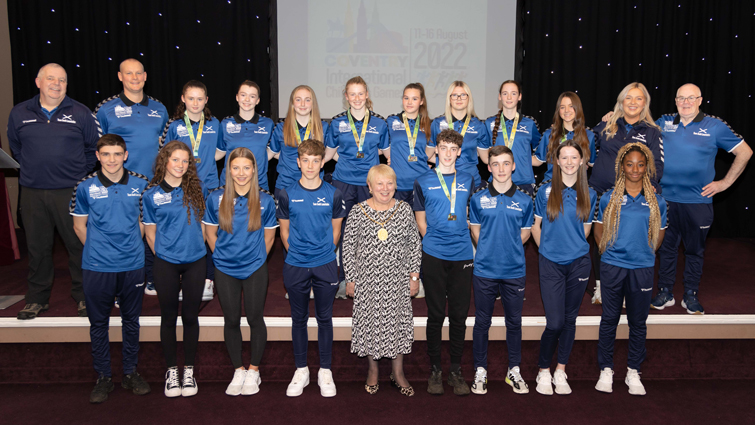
{"x":100,"y":289}
{"x":352,"y":195}
{"x":323,"y":280}
{"x":512,"y":297}
{"x":688,"y":223}
{"x":406,"y":196}
{"x":44,"y":211}
{"x":254,"y":290}
{"x":452,"y":281}
{"x":169,"y":280}
{"x":209,"y":265}
{"x":149,"y":262}
{"x":562,"y":288}
{"x":636,"y":286}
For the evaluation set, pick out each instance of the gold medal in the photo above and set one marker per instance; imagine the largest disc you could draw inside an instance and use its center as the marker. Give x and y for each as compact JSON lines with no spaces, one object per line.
{"x":360,"y":155}
{"x":198,"y":160}
{"x":382,"y":234}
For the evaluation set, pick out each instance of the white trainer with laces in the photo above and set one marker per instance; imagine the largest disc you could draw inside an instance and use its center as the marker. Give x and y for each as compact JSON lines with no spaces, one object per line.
{"x":634,"y":383}
{"x":190,"y":386}
{"x":325,"y":381}
{"x":208,"y":293}
{"x":234,"y":388}
{"x":514,"y":378}
{"x":251,"y":382}
{"x":543,"y":381}
{"x":300,"y":380}
{"x":172,"y":386}
{"x":480,"y":384}
{"x":605,"y":382}
{"x":596,"y":298}
{"x":559,"y":381}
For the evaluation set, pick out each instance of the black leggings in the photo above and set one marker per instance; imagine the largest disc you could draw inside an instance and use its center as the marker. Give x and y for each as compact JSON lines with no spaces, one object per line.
{"x":254,"y":288}
{"x":169,"y":280}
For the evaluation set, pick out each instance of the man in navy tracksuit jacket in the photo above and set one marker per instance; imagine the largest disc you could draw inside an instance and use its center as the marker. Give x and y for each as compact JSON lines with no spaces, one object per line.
{"x":53,"y":138}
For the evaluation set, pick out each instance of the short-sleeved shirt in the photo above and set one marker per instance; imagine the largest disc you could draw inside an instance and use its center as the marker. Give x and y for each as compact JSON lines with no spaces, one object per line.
{"x":207,"y":170}
{"x":311,"y":213}
{"x":176,"y":241}
{"x":476,"y":137}
{"x":542,"y":150}
{"x":691,"y":155}
{"x":631,"y":250}
{"x":140,"y":124}
{"x":406,"y":171}
{"x":563,"y":240}
{"x":114,"y":240}
{"x":526,"y":140}
{"x":501,"y":217}
{"x":253,"y":134}
{"x":445,"y":239}
{"x":241,"y":253}
{"x":288,"y":170}
{"x":349,"y":168}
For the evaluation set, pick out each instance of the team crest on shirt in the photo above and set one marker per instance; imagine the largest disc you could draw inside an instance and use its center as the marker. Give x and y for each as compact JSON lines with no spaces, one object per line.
{"x":232,"y":128}
{"x":97,"y":192}
{"x":514,"y":206}
{"x":640,"y":137}
{"x":523,"y":129}
{"x":443,"y":125}
{"x":460,"y":188}
{"x":261,"y":130}
{"x":344,"y":127}
{"x":702,"y":132}
{"x":624,"y":200}
{"x":122,"y":111}
{"x":67,"y":118}
{"x":154,"y":114}
{"x":209,"y":130}
{"x":398,"y":125}
{"x":488,"y":203}
{"x":161,"y":198}
{"x":135,"y":191}
{"x":669,"y":126}
{"x":181,"y":131}
{"x":321,"y":202}
{"x":471,"y":130}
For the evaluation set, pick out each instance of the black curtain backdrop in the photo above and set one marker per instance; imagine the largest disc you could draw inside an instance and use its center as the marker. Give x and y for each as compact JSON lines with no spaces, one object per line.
{"x":596,"y":47}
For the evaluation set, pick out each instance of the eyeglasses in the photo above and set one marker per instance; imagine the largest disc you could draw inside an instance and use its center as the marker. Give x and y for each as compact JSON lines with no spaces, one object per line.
{"x":690,"y":99}
{"x":461,"y":96}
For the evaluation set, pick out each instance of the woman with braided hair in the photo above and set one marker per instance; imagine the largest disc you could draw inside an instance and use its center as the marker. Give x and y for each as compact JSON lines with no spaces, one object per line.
{"x":629,"y":229}
{"x":172,"y":210}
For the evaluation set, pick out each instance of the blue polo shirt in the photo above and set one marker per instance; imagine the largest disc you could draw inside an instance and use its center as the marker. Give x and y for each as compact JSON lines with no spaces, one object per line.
{"x":253,"y":135}
{"x":241,"y":253}
{"x":691,"y":151}
{"x":114,"y":240}
{"x":207,"y":170}
{"x":311,"y":213}
{"x":140,"y":124}
{"x":630,"y":249}
{"x":563,"y":241}
{"x":176,"y":240}
{"x":445,"y":239}
{"x":349,"y":168}
{"x":475,"y":137}
{"x":406,"y":172}
{"x":288,"y":170}
{"x":526,"y":140}
{"x":501,"y":217}
{"x":542,"y":150}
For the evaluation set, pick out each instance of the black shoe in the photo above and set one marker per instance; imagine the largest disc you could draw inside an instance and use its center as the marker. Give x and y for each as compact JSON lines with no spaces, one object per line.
{"x":81,"y":308}
{"x":435,"y":383}
{"x":135,"y":383}
{"x":101,"y":389}
{"x":30,"y":311}
{"x":457,"y":381}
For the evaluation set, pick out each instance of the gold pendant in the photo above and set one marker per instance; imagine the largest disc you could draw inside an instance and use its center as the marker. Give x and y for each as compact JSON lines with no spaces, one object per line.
{"x":382,"y":234}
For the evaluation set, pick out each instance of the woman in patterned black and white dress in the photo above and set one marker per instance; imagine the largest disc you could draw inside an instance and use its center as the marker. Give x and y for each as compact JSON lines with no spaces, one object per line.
{"x":382,"y":252}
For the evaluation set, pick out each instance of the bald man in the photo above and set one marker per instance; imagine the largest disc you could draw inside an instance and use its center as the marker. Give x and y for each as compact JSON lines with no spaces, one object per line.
{"x":54,"y":139}
{"x":691,"y":140}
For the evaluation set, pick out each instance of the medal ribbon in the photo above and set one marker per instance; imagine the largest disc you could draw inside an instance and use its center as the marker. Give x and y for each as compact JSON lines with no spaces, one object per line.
{"x":306,"y":134}
{"x":509,"y":143}
{"x":357,"y":139}
{"x":463,"y":129}
{"x":412,"y":138}
{"x":194,"y":141}
{"x":451,"y":196}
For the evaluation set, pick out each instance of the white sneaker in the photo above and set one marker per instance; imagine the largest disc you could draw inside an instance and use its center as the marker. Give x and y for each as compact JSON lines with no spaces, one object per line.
{"x":301,"y":380}
{"x":514,"y":378}
{"x":633,"y":382}
{"x":421,"y":291}
{"x":480,"y":385}
{"x":189,"y":387}
{"x":172,"y":386}
{"x":559,"y":380}
{"x":543,"y":380}
{"x":596,"y":298}
{"x":234,"y":388}
{"x":251,"y":382}
{"x":181,"y":295}
{"x":341,"y":294}
{"x":325,"y":381}
{"x":208,"y":290}
{"x":149,"y":289}
{"x":311,"y":294}
{"x":605,"y":382}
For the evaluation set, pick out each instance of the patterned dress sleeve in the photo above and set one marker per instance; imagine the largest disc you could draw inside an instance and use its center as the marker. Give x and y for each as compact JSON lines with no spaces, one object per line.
{"x":350,"y":247}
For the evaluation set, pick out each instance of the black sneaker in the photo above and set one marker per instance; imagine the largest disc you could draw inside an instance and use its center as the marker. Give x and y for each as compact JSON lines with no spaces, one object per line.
{"x":435,"y":383}
{"x":31,"y":311}
{"x":135,"y":383}
{"x":457,"y":381}
{"x":101,"y":389}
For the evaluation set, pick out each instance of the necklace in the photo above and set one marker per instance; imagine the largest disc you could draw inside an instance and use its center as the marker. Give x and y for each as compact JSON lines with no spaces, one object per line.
{"x":382,"y":234}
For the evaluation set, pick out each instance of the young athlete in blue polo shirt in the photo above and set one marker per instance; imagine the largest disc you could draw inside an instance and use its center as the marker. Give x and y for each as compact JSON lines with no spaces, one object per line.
{"x":460,"y":116}
{"x":302,"y":122}
{"x":519,"y":133}
{"x":501,"y":218}
{"x":441,"y":197}
{"x":240,"y":227}
{"x":172,"y":210}
{"x":568,"y":124}
{"x":247,"y":129}
{"x":105,"y":210}
{"x":629,"y":229}
{"x":564,"y":210}
{"x":310,"y":212}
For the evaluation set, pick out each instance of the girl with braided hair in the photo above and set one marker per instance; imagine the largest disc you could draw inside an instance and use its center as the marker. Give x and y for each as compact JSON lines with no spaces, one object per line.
{"x":629,"y":228}
{"x":172,"y":209}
